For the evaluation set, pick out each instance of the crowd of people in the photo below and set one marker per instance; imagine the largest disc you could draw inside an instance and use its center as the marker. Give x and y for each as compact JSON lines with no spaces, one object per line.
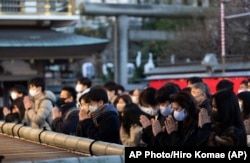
{"x":148,"y":117}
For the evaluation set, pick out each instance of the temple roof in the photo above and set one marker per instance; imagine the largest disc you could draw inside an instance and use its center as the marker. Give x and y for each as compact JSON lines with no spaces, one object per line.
{"x":45,"y":43}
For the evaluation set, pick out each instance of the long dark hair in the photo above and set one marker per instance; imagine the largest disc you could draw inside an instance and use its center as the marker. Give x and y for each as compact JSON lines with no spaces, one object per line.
{"x":187,"y":101}
{"x":131,"y":114}
{"x":228,"y":117}
{"x":245,"y":97}
{"x":19,"y":104}
{"x":228,"y":108}
{"x":126,"y":98}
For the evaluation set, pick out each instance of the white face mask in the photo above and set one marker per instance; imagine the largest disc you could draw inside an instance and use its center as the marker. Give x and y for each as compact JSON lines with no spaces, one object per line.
{"x":180,"y":116}
{"x":93,"y":108}
{"x":120,"y":107}
{"x":33,"y":92}
{"x":78,"y":88}
{"x":165,"y":111}
{"x":149,"y":110}
{"x":13,"y":95}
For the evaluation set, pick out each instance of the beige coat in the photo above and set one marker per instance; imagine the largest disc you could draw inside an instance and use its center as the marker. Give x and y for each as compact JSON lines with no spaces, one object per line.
{"x":134,"y":139}
{"x":40,"y":115}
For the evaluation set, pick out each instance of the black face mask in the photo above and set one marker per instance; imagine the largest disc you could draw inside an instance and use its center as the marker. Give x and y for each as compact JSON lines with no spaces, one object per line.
{"x":216,"y":117}
{"x":62,"y":101}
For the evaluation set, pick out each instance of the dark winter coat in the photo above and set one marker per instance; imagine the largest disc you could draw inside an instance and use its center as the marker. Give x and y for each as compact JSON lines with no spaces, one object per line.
{"x":103,"y":125}
{"x":67,"y":124}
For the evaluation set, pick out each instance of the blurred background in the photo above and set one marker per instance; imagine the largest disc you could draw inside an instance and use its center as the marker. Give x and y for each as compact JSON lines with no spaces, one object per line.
{"x":133,"y":42}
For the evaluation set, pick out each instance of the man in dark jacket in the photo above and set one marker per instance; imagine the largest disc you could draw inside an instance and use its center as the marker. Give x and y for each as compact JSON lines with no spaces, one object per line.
{"x":202,"y":95}
{"x":65,"y":117}
{"x":100,"y":122}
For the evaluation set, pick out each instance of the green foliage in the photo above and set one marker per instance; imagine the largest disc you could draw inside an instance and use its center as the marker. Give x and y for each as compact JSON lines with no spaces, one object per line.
{"x":167,"y":24}
{"x":100,"y":32}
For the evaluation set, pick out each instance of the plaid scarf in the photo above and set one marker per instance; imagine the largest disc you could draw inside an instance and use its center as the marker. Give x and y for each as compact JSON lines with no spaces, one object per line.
{"x":108,"y":107}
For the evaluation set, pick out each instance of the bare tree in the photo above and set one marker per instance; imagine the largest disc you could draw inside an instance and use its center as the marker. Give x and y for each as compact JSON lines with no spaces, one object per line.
{"x":203,"y":36}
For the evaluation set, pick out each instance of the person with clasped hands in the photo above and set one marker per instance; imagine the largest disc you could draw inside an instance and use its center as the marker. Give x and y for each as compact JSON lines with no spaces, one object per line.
{"x":181,"y":126}
{"x":98,"y":119}
{"x":65,"y":117}
{"x":15,"y":112}
{"x":225,"y":126}
{"x":162,"y":98}
{"x":38,"y":107}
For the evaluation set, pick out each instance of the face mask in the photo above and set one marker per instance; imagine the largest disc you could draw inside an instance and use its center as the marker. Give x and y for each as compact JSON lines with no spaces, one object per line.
{"x":78,"y":88}
{"x":149,"y":110}
{"x":93,"y":108}
{"x":215,"y":117}
{"x":240,"y":104}
{"x":180,"y":116}
{"x":120,"y":107}
{"x":165,"y":111}
{"x":33,"y":92}
{"x":62,"y":101}
{"x":13,"y":95}
{"x":134,"y":99}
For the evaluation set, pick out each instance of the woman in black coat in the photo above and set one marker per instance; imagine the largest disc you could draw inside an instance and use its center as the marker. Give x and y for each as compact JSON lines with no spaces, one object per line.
{"x":181,"y":126}
{"x":227,"y":127}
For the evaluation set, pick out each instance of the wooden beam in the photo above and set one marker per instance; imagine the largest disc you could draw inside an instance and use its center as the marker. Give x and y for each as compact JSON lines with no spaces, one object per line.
{"x":145,"y":10}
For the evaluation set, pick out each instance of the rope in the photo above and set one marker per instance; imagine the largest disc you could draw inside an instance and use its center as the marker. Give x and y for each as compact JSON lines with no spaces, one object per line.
{"x":90,"y":147}
{"x":18,"y":131}
{"x":12,"y":129}
{"x":39,"y":135}
{"x":2,"y":127}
